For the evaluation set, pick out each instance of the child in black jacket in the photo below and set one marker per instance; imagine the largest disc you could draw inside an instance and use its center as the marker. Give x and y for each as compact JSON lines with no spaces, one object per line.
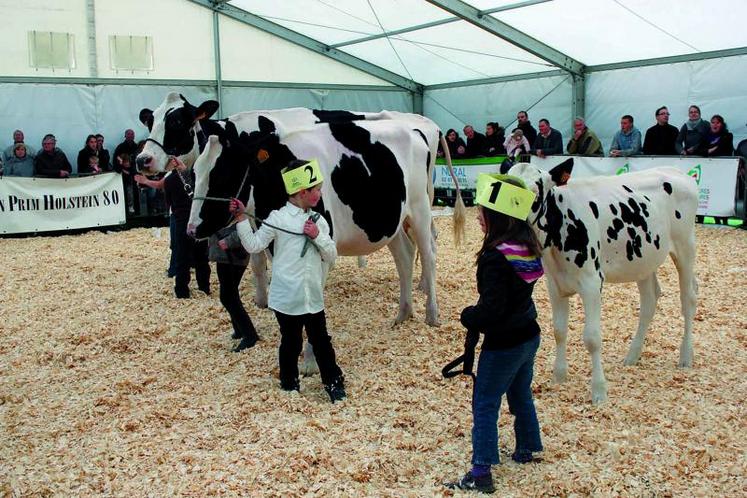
{"x":508,"y":265}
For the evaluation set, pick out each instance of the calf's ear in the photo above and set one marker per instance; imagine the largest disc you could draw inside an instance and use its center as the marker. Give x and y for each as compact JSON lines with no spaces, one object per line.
{"x":561,"y":173}
{"x":207,"y":109}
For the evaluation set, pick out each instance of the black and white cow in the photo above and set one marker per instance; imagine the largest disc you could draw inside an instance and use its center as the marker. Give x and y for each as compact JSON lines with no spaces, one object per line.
{"x":177,"y":128}
{"x":376,"y":181}
{"x":613,"y":229}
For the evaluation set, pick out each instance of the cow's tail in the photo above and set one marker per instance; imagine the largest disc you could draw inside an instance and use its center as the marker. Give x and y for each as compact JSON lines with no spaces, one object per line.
{"x":460,"y":211}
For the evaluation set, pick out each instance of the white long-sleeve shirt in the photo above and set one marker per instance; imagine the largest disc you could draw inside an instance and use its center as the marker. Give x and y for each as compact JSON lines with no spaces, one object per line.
{"x":297,"y":285}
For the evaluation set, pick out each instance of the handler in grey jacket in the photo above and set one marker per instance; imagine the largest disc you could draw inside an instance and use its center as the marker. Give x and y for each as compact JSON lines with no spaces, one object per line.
{"x":231,"y":260}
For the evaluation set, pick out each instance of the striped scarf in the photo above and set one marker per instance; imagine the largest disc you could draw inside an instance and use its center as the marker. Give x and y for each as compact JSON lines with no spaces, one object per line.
{"x":525,"y":264}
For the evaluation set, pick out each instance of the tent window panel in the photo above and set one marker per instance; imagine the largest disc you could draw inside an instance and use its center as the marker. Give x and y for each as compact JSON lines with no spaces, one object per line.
{"x":131,"y":52}
{"x":51,"y":50}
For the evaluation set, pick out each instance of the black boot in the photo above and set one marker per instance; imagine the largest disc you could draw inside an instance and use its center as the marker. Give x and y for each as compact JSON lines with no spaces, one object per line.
{"x":246,"y":343}
{"x":469,"y":482}
{"x":336,"y":389}
{"x":290,"y":385}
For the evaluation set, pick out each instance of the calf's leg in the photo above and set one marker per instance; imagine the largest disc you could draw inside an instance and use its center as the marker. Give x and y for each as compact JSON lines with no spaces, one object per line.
{"x":649,"y":291}
{"x":560,"y":327}
{"x":259,"y":269}
{"x":684,"y":260}
{"x":403,"y":253}
{"x":592,"y":299}
{"x":424,"y":238}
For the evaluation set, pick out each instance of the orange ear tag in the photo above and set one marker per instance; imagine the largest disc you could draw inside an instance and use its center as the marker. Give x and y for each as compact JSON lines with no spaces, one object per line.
{"x":262,"y":155}
{"x":564,"y":178}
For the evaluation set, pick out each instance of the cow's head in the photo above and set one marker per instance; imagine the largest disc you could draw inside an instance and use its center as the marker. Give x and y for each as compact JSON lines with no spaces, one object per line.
{"x":173,"y":129}
{"x":541,"y":182}
{"x":233,"y":165}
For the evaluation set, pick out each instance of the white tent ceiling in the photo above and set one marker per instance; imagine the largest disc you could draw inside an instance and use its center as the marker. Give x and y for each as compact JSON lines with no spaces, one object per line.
{"x":591,"y":32}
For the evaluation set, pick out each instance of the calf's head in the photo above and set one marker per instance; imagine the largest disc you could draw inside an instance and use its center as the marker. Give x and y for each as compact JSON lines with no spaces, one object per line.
{"x":541,"y":182}
{"x":173,"y":128}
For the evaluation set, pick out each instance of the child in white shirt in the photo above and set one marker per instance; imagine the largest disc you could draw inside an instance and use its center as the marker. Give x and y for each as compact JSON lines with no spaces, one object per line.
{"x":302,"y":248}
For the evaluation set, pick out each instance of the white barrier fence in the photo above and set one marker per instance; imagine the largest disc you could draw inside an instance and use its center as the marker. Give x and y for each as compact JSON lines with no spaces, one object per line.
{"x":46,"y":204}
{"x":716,"y":177}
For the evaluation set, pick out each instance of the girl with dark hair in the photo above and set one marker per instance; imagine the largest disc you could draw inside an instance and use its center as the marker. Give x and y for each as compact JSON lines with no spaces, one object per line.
{"x":508,"y":265}
{"x":719,"y":141}
{"x":457,"y":147}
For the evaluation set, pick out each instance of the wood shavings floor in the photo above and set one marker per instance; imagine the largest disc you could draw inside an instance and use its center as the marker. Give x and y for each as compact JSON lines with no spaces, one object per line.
{"x":110,"y":386}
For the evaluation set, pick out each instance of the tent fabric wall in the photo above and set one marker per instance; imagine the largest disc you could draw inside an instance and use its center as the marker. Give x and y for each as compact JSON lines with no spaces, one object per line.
{"x":237,"y":99}
{"x":476,"y":105}
{"x":715,"y":85}
{"x":72,"y":111}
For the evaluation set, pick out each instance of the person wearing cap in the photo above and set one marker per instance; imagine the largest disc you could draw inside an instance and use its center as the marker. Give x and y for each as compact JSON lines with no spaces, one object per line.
{"x":303,"y":253}
{"x":508,"y":265}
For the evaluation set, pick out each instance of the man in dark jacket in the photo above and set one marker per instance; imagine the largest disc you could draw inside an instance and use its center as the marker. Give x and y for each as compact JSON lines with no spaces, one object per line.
{"x":129,"y":147}
{"x":661,"y":139}
{"x":476,"y":143}
{"x":548,"y":142}
{"x":51,"y":161}
{"x":526,"y":126}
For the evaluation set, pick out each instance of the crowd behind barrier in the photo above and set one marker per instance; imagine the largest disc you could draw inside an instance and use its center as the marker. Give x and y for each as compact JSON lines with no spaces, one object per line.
{"x":21,"y":160}
{"x":696,"y":137}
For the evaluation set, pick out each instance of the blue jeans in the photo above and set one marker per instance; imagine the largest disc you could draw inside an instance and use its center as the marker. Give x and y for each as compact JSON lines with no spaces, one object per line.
{"x":509,"y":372}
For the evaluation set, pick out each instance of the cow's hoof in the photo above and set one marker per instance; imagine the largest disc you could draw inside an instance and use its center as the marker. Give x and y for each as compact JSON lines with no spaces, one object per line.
{"x":685,"y":362}
{"x":308,"y":368}
{"x":598,"y":398}
{"x":560,"y":375}
{"x":260,"y":303}
{"x":405,"y":313}
{"x":631,"y":360}
{"x":432,"y":322}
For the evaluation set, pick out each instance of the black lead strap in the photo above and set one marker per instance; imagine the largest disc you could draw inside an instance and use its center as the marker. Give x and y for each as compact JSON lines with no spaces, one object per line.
{"x":467,"y":359}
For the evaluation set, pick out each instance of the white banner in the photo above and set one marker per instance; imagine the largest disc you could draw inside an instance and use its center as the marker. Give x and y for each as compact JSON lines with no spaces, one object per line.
{"x":44,"y":204}
{"x":716,"y":177}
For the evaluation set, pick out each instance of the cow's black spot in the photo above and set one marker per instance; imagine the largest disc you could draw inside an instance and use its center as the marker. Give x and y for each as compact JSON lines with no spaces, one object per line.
{"x":560,"y":197}
{"x":668,"y":188}
{"x":646,"y":197}
{"x":540,"y":196}
{"x":628,"y":189}
{"x":631,"y":214}
{"x":648,"y":237}
{"x":656,"y":241}
{"x":336,"y":116}
{"x":612,"y":231}
{"x":373,"y":187}
{"x":319,"y":208}
{"x":677,"y":214}
{"x":428,"y":159}
{"x":613,"y":209}
{"x":553,"y":222}
{"x":644,"y":210}
{"x":593,"y":253}
{"x":594,"y":209}
{"x":577,"y":239}
{"x":597,"y":266}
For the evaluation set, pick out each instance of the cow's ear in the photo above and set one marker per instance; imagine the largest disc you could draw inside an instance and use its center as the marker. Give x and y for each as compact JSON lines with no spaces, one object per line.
{"x":561,"y":173}
{"x":207,"y":109}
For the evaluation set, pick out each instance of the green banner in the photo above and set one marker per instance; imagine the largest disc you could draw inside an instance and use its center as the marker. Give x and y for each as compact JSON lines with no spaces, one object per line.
{"x":472,"y":162}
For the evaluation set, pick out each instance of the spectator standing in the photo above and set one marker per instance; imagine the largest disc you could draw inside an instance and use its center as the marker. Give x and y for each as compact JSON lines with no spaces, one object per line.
{"x":128,"y":146}
{"x":18,"y":138}
{"x":231,"y":260}
{"x":661,"y":139}
{"x":627,"y":141}
{"x":549,"y":141}
{"x":719,"y":141}
{"x":526,"y":126}
{"x":584,"y":141}
{"x":516,"y":144}
{"x":495,"y":136}
{"x":85,"y":165}
{"x":21,"y":163}
{"x":693,"y":133}
{"x":124,"y":167}
{"x":104,"y":158}
{"x":51,"y":161}
{"x":476,"y":142}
